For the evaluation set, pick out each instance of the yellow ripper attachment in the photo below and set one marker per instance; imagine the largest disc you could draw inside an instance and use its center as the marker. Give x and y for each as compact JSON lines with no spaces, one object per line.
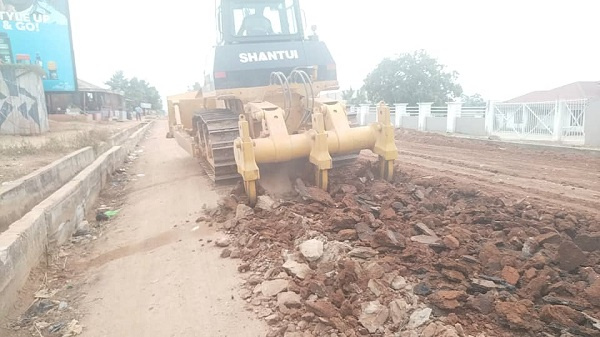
{"x":331,"y":134}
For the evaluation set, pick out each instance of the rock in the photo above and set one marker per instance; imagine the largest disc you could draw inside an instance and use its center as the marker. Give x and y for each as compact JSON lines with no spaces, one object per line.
{"x":83,"y":229}
{"x":374,"y":270}
{"x":265,"y":203}
{"x":299,"y":270}
{"x":588,"y":242}
{"x":423,"y":229}
{"x":484,"y":285}
{"x":448,"y":299}
{"x":453,"y":275}
{"x":322,"y":308}
{"x":373,"y":316}
{"x":289,"y":300}
{"x":431,"y":330}
{"x":422,"y":289}
{"x":272,"y":319}
{"x":347,"y":235}
{"x":334,"y":251}
{"x":364,"y":232}
{"x":363,"y":252}
{"x":419,"y":194}
{"x":377,"y":287}
{"x":593,"y":293}
{"x":399,"y":311}
{"x":551,"y":238}
{"x":427,"y":240}
{"x":63,"y":305}
{"x":510,"y":275}
{"x":313,"y":193}
{"x":225,"y":253}
{"x":273,"y":287}
{"x":536,"y":288}
{"x":419,"y":317}
{"x":530,"y":247}
{"x":484,"y":303}
{"x":490,"y":257}
{"x":243,"y":211}
{"x":235,"y":254}
{"x":387,"y":214}
{"x":519,"y":315}
{"x":451,"y":242}
{"x":398,"y":283}
{"x":562,"y":315}
{"x":223,"y":242}
{"x":569,"y":256}
{"x":388,"y":238}
{"x":263,"y":312}
{"x":312,"y":250}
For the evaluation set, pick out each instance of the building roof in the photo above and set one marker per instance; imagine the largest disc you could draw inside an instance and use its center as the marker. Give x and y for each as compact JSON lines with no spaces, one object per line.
{"x":89,"y":87}
{"x":577,"y":90}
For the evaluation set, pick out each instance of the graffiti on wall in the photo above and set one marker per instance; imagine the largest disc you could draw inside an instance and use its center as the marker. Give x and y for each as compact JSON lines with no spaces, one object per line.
{"x":22,"y":104}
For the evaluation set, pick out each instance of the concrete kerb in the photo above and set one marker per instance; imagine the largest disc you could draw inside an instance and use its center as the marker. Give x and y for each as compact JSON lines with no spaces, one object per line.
{"x":20,"y":196}
{"x":53,"y":221}
{"x":17,"y":198}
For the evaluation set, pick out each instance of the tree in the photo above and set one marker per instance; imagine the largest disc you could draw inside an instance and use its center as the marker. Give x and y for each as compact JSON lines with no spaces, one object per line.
{"x":354,"y":97}
{"x":136,"y":90}
{"x":473,"y":100}
{"x":118,"y":82}
{"x":412,"y":78}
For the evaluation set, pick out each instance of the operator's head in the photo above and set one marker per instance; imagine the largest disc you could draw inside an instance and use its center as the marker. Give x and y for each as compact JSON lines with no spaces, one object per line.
{"x":20,"y":4}
{"x":259,"y":9}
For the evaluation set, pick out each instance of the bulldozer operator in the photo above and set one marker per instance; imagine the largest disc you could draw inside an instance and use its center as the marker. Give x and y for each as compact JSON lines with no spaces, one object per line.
{"x":256,"y":24}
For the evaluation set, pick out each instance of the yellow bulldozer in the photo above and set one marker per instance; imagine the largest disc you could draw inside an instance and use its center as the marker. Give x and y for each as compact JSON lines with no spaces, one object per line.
{"x":260,"y":103}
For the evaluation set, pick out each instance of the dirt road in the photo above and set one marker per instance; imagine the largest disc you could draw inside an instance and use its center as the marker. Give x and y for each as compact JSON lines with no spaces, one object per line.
{"x":152,"y":274}
{"x":557,"y":176}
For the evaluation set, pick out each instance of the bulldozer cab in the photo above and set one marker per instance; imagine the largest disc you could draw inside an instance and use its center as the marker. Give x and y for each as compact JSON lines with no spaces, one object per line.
{"x":251,"y":21}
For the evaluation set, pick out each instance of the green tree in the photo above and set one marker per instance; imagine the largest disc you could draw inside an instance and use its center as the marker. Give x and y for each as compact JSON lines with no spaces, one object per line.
{"x":473,"y":100}
{"x":354,"y":97}
{"x":118,"y":82}
{"x":135,"y":90}
{"x":412,"y":78}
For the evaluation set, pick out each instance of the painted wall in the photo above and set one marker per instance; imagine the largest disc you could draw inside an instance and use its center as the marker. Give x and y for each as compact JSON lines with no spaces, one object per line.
{"x":22,"y":102}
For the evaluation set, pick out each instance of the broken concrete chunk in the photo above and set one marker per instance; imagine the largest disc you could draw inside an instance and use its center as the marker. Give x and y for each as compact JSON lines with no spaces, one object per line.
{"x":273,"y":287}
{"x":363,"y":252}
{"x":419,"y":317}
{"x":373,"y":316}
{"x":312,"y":250}
{"x":299,"y":270}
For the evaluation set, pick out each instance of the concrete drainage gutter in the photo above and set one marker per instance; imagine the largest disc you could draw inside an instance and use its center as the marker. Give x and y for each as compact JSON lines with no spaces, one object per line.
{"x":20,"y":196}
{"x":53,"y":221}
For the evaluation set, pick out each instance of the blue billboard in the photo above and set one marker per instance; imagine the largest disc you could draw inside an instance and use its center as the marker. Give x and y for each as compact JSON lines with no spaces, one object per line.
{"x":38,"y":32}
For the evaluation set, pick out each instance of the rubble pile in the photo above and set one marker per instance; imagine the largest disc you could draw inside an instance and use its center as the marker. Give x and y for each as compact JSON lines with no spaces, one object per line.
{"x":416,"y":257}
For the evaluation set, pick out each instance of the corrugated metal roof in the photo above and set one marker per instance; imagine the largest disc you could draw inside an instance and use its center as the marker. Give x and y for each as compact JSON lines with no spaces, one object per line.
{"x":577,"y":90}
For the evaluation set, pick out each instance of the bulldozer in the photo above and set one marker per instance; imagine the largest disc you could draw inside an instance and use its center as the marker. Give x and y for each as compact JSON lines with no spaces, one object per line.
{"x":261,"y":101}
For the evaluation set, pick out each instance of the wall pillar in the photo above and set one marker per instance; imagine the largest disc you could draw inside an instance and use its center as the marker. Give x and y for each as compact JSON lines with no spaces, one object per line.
{"x":454,"y":112}
{"x":424,"y":112}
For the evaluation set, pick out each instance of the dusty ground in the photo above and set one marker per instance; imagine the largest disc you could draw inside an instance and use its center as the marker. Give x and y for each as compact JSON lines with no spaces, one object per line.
{"x":570,"y":178}
{"x":21,"y":155}
{"x":150,"y":271}
{"x":472,"y":238}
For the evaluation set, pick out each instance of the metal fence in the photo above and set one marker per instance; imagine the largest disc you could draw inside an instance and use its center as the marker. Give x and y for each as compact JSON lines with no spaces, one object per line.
{"x":473,"y":111}
{"x":541,"y":121}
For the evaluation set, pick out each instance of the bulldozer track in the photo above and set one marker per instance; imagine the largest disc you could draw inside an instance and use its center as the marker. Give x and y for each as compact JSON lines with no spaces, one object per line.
{"x":216,"y":131}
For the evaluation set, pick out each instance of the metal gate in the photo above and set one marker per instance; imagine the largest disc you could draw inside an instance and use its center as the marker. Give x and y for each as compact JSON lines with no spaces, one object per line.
{"x":557,"y":120}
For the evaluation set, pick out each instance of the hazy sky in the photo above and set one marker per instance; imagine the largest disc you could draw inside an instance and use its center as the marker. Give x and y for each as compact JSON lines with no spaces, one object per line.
{"x":501,"y":49}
